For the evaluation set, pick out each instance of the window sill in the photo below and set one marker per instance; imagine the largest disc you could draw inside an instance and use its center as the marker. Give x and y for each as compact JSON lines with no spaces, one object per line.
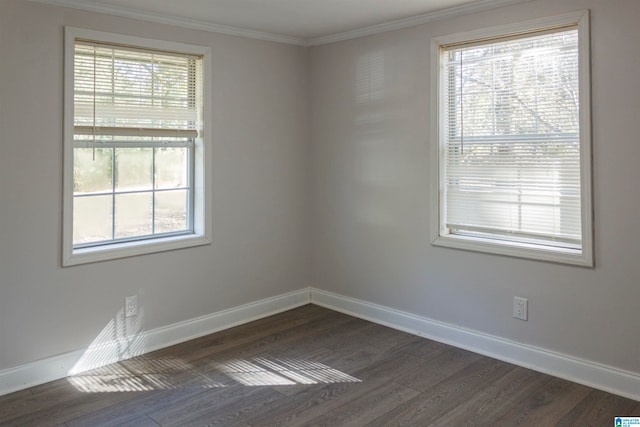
{"x":514,"y":249}
{"x":129,"y":249}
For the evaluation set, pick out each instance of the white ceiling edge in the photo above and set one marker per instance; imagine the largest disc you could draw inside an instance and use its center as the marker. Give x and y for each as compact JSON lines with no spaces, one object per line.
{"x":195,"y":24}
{"x":439,"y":15}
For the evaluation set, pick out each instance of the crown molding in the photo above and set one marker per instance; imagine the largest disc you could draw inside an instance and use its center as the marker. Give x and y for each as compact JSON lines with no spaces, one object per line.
{"x":194,"y":24}
{"x":451,"y":12}
{"x":439,"y":15}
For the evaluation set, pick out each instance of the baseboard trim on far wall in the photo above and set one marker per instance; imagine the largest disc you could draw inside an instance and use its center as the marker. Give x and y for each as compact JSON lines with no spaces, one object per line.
{"x":592,"y":374}
{"x":101,"y":353}
{"x":104,"y":352}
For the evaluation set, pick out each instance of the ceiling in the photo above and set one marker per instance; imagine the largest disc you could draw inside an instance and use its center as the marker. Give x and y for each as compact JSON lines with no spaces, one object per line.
{"x":293,"y":21}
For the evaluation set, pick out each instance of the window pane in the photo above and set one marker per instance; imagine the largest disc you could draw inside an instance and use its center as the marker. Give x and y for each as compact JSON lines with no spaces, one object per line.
{"x":134,"y":169}
{"x":133,"y":215}
{"x":171,"y":211}
{"x":171,"y":167}
{"x":92,"y":217}
{"x":92,"y":173}
{"x":511,"y":138}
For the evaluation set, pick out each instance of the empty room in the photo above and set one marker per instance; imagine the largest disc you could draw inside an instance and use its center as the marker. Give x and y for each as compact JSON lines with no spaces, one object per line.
{"x":296,"y":212}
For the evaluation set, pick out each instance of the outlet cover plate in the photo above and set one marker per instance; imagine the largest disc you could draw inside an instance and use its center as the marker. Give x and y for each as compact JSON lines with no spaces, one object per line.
{"x":131,"y":306}
{"x":520,"y":308}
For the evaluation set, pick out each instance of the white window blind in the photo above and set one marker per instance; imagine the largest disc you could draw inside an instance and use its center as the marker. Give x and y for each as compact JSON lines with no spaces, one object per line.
{"x":133,"y":92}
{"x":510,"y":139}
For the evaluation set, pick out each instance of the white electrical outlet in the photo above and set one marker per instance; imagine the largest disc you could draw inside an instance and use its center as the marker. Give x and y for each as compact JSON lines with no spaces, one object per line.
{"x":131,"y":306}
{"x":520,"y":308}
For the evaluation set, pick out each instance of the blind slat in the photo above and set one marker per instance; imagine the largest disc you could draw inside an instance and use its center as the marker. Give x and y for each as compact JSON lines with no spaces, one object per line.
{"x":138,"y":132}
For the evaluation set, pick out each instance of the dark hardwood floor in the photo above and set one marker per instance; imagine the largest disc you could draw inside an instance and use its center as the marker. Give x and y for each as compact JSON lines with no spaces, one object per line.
{"x":312,"y":366}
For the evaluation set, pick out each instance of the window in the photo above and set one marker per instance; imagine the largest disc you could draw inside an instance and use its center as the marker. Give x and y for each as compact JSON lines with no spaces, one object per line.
{"x":135,"y":146}
{"x":512,"y":141}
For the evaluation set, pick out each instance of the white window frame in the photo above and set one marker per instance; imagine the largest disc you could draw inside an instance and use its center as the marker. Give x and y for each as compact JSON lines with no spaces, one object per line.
{"x":202,"y":210}
{"x":440,"y":234}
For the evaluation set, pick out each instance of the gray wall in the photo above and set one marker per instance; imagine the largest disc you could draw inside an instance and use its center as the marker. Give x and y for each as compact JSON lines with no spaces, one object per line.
{"x":371,"y":193}
{"x":260,"y":183}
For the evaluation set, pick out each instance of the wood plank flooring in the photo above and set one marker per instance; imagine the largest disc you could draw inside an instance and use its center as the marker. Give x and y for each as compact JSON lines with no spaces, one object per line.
{"x":312,"y":366}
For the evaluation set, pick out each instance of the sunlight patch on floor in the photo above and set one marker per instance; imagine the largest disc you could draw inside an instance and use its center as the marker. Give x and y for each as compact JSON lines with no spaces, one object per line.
{"x":158,"y":373}
{"x":142,"y":374}
{"x":265,"y":370}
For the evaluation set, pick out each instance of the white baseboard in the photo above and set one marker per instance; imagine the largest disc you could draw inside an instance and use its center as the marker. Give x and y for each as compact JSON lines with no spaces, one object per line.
{"x":592,"y":374}
{"x":574,"y":369}
{"x":105,"y":352}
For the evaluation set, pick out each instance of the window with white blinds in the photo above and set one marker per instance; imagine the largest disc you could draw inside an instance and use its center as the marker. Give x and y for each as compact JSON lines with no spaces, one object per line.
{"x":137,"y":142}
{"x":511,"y":143}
